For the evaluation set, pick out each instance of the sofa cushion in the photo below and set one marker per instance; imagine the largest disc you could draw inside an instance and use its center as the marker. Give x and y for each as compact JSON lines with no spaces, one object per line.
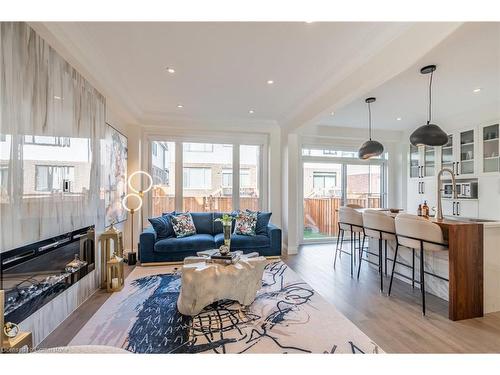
{"x":196,"y":242}
{"x":162,"y":226}
{"x":204,"y":222}
{"x":240,"y":242}
{"x":245,"y":223}
{"x":183,"y":225}
{"x":263,"y":219}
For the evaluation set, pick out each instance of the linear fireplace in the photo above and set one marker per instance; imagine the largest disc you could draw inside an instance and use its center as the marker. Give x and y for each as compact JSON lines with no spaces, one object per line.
{"x":35,"y":274}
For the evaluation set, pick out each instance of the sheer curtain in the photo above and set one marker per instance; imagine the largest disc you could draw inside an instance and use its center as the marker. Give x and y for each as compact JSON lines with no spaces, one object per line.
{"x":51,"y":120}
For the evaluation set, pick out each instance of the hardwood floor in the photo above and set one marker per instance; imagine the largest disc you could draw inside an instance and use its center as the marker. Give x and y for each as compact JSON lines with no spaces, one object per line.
{"x":395,"y":323}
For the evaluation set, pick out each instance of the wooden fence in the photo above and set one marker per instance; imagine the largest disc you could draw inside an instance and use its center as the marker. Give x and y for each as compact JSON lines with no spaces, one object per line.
{"x":202,"y":204}
{"x":321,"y":216}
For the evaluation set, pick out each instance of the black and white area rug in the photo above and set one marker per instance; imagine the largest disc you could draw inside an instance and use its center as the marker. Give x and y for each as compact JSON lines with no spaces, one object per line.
{"x":287,"y":316}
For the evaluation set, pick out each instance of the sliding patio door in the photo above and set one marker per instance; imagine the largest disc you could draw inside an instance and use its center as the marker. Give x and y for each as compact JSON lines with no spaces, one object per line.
{"x":363,"y":185}
{"x":330,"y":184}
{"x":322,"y":197}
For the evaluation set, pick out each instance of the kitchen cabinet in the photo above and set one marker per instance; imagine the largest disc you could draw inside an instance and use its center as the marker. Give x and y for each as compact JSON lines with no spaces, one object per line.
{"x":490,"y":148}
{"x":422,"y":161}
{"x":460,"y":153}
{"x":467,"y":208}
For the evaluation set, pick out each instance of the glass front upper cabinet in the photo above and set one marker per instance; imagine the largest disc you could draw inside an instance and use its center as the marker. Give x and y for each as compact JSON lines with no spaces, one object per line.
{"x":466,"y":152}
{"x":491,"y":149}
{"x":429,"y":161}
{"x":447,"y":154}
{"x":414,"y":162}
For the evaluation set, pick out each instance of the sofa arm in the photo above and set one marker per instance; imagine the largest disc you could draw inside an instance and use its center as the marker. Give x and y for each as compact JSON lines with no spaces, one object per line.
{"x":147,"y":241}
{"x":274,"y":234}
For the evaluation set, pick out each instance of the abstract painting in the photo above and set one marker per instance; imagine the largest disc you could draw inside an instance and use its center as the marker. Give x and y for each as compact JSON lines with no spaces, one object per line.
{"x":115,"y":175}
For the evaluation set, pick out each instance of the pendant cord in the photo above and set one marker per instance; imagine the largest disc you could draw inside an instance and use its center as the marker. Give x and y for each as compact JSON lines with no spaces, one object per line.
{"x":369,"y":122}
{"x":430,"y":99}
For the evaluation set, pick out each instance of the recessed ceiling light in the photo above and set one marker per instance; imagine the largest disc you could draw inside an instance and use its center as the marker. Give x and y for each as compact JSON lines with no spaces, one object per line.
{"x":399,"y":119}
{"x":180,"y":106}
{"x":477,"y":90}
{"x":57,"y":97}
{"x":170,"y":70}
{"x":270,"y":82}
{"x":332,"y":113}
{"x":309,"y":21}
{"x":251,"y":111}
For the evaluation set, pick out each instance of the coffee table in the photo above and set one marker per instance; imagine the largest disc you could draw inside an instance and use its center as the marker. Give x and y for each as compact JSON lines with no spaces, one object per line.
{"x":204,"y":282}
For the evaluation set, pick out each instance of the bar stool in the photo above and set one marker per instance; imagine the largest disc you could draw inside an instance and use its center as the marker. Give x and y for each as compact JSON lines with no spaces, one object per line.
{"x":380,"y":226}
{"x":352,"y":221}
{"x":415,"y":232}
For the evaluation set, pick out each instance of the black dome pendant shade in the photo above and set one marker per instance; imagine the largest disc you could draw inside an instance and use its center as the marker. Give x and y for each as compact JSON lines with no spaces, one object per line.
{"x":429,"y":134}
{"x":370,"y":148}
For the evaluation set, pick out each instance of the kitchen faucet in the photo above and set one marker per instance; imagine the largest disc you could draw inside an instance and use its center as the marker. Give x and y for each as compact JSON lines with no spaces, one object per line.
{"x":439,"y":214}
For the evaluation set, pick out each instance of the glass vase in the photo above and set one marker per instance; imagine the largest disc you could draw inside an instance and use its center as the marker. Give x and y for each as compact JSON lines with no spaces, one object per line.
{"x":227,"y":235}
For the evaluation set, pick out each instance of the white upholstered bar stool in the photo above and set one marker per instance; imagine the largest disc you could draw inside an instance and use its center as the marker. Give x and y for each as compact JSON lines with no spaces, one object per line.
{"x":351,"y":221}
{"x":415,"y":232}
{"x":380,"y":226}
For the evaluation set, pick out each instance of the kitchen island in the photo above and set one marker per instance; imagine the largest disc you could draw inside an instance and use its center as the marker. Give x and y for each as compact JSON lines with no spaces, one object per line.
{"x":472,"y":265}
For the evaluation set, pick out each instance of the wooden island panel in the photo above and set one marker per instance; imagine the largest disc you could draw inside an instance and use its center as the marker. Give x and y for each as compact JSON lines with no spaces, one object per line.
{"x":465,"y":242}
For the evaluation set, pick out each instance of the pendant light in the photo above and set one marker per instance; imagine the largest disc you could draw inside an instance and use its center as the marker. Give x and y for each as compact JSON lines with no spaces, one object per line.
{"x":370,"y":148}
{"x":429,"y":134}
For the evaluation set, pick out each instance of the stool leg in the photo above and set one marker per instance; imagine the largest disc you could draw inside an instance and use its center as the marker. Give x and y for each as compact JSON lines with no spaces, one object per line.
{"x":380,"y":270}
{"x":385,"y":258}
{"x":341,"y":243}
{"x":393,"y":267}
{"x":422,"y":278}
{"x":361,"y":255}
{"x":352,"y":251}
{"x":336,"y":249}
{"x":413,"y":269}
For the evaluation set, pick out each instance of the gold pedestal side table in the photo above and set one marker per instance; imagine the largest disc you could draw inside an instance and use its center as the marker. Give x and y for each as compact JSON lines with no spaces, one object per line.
{"x":110,"y":237}
{"x":12,"y":344}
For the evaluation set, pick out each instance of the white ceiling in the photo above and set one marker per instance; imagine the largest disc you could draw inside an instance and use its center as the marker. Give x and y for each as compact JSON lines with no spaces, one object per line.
{"x":221,"y":68}
{"x":468,"y":59}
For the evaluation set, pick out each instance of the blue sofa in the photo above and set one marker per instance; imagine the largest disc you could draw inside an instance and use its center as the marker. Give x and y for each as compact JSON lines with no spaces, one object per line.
{"x":266,"y":242}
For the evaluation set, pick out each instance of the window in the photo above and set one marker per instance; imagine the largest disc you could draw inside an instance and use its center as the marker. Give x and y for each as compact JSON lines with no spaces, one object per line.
{"x":197,"y":178}
{"x":47,"y":141}
{"x":206,"y":182}
{"x":50,"y":178}
{"x":163,"y":173}
{"x":321,"y":152}
{"x":227,"y":178}
{"x":3,"y":138}
{"x":199,"y":147}
{"x":324,"y":180}
{"x":249,"y":177}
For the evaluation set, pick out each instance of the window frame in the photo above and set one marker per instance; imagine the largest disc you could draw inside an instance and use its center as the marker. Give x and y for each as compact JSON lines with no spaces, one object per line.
{"x":260,"y":140}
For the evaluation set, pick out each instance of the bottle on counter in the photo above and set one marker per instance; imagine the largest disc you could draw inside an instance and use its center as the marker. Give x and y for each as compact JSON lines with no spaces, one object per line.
{"x":419,"y":210}
{"x":425,"y":210}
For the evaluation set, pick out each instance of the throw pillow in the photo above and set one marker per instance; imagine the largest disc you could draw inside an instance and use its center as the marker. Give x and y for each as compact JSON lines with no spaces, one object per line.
{"x":263,"y":219}
{"x":162,"y":226}
{"x":183,"y":225}
{"x":246,"y":223}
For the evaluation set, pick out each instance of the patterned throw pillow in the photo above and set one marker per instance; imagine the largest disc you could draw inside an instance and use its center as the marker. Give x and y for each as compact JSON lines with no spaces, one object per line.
{"x":246,"y":223}
{"x":183,"y":225}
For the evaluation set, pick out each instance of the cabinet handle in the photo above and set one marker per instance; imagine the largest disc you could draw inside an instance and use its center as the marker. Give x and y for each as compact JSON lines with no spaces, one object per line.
{"x":458,"y":208}
{"x":454,"y":208}
{"x":423,"y":187}
{"x":453,"y":169}
{"x":420,"y":187}
{"x":458,"y":169}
